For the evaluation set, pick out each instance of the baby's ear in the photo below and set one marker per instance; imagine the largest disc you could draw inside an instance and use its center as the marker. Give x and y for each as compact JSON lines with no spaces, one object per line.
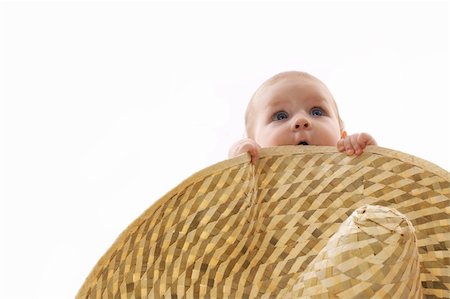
{"x":343,"y":134}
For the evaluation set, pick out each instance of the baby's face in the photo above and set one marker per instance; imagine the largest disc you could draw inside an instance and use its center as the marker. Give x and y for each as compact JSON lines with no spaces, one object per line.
{"x":294,"y":111}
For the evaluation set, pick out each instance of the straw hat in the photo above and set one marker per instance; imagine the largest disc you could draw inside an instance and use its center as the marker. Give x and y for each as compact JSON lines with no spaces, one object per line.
{"x":304,"y":222}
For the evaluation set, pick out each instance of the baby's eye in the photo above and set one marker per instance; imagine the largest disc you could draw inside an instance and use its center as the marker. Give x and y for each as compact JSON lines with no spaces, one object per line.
{"x":280,"y":115}
{"x":316,"y":111}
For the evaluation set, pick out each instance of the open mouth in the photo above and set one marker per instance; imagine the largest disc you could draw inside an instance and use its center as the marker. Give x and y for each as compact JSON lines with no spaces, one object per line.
{"x":303,"y":143}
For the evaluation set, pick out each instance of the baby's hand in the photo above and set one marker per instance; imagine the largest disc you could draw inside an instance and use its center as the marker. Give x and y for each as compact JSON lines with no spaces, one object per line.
{"x":245,"y":145}
{"x":355,"y":144}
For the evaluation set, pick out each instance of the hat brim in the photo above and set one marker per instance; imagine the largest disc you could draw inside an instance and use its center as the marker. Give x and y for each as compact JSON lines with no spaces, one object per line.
{"x":238,"y":230}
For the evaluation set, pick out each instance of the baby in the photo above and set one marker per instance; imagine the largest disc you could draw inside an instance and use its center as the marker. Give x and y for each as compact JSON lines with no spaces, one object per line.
{"x":295,"y":108}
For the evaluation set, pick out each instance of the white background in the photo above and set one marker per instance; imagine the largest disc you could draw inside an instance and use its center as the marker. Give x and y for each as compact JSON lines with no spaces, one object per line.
{"x":106,"y":106}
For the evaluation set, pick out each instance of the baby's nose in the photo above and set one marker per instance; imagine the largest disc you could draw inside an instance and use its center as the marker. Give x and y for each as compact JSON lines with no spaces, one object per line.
{"x":302,"y":123}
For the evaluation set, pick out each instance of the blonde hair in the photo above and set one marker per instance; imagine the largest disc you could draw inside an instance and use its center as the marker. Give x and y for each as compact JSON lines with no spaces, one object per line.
{"x":272,"y":80}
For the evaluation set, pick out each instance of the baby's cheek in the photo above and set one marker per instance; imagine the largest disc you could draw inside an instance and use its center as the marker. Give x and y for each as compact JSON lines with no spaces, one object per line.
{"x":262,"y":139}
{"x":272,"y":136}
{"x":271,"y":140}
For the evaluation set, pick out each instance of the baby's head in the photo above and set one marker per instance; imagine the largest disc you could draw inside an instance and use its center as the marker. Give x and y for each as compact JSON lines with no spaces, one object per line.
{"x":293,"y":108}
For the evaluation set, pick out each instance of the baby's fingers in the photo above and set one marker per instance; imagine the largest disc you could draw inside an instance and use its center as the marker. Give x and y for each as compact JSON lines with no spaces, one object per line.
{"x":348,"y":145}
{"x":252,"y":148}
{"x":357,"y":148}
{"x":340,"y":145}
{"x":345,"y":145}
{"x":254,"y":154}
{"x":355,"y":144}
{"x":365,"y":139}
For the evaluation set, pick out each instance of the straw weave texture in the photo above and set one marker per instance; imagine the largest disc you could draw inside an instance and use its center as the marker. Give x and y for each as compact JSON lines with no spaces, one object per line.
{"x":305,"y":222}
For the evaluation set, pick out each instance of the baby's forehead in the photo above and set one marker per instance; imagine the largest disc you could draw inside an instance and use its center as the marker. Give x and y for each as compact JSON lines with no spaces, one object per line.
{"x":292,"y":76}
{"x":304,"y":83}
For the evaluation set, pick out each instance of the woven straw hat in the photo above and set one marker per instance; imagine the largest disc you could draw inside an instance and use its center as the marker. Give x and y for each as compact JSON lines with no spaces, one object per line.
{"x":305,"y":222}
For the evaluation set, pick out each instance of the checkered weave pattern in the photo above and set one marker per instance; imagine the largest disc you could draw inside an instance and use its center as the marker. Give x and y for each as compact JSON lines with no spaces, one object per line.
{"x":305,"y":222}
{"x":372,"y":255}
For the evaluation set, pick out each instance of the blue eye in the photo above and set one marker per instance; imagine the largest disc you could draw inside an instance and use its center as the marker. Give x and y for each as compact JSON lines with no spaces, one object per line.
{"x":317,"y":112}
{"x":280,"y":115}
